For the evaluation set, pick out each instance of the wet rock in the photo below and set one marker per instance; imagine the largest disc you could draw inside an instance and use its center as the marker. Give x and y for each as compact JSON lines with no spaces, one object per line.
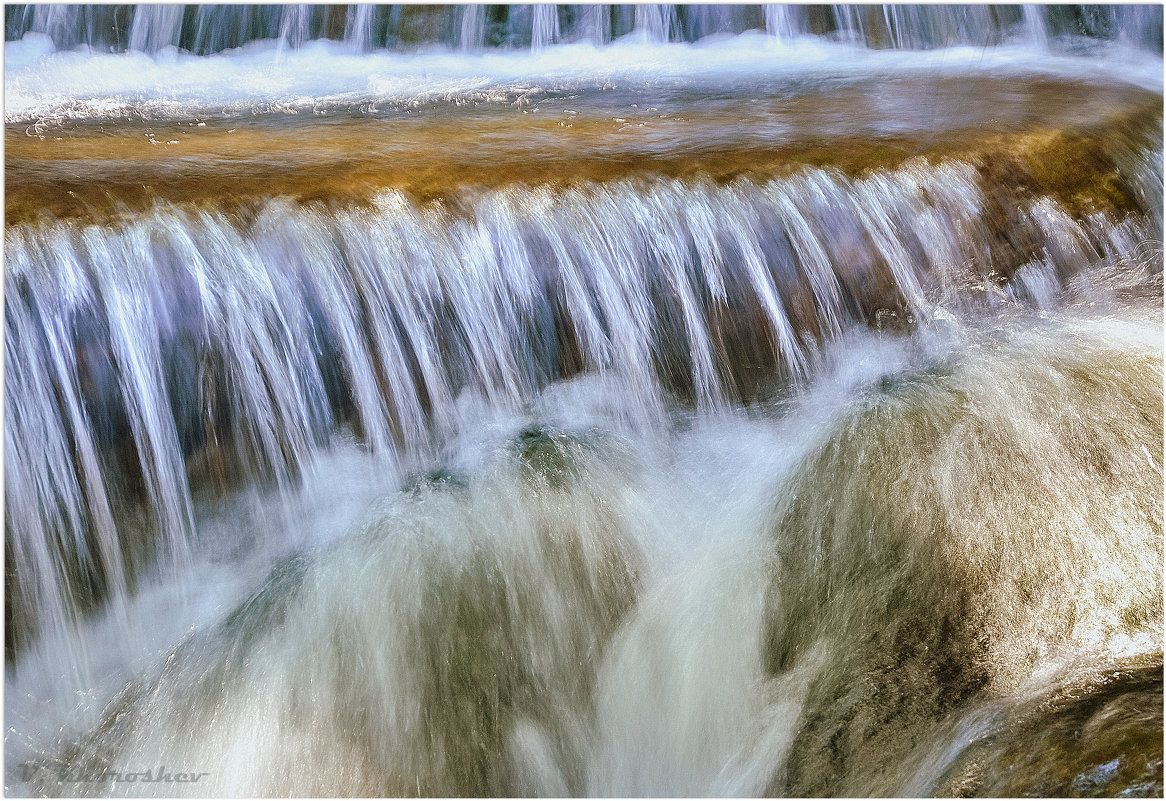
{"x":550,"y":456}
{"x":1099,"y":738}
{"x":439,"y":478}
{"x":919,"y":547}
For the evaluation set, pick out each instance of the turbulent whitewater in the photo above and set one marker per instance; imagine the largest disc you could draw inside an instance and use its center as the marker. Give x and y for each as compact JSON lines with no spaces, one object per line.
{"x":583,"y":400}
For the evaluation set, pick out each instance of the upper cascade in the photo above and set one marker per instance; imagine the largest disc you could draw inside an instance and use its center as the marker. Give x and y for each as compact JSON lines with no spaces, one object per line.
{"x":206,"y":29}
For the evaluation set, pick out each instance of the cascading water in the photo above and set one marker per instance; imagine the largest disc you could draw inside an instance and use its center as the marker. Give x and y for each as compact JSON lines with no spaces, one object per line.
{"x":205,"y":29}
{"x":583,"y":400}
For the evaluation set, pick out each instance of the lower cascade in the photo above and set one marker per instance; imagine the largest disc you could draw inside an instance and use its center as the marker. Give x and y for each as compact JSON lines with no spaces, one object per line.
{"x":586,"y":401}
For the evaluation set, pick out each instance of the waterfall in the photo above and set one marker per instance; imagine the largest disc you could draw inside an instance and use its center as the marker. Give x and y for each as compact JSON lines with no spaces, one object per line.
{"x":209,"y":29}
{"x":358,"y":27}
{"x":849,"y":23}
{"x":471,"y":34}
{"x":781,"y":22}
{"x":655,"y":22}
{"x":594,"y":24}
{"x":563,"y":400}
{"x":155,"y":27}
{"x":295,"y":26}
{"x":699,"y":21}
{"x":1035,"y":26}
{"x":609,"y":279}
{"x":1138,"y":25}
{"x":544,"y":26}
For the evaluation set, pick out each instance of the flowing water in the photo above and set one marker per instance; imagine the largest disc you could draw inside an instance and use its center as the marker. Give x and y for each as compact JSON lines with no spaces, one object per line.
{"x":583,"y":400}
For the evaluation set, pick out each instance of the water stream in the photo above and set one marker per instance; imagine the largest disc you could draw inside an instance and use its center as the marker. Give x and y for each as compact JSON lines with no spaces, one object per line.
{"x":583,"y":400}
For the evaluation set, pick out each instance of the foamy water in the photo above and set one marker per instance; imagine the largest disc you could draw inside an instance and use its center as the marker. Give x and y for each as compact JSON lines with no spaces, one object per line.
{"x":44,"y":84}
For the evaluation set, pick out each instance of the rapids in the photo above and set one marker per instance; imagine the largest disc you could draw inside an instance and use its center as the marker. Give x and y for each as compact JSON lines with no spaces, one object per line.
{"x":583,"y":400}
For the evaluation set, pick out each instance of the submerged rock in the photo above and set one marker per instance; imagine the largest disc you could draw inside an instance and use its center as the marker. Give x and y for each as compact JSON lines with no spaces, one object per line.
{"x":447,"y":648}
{"x":953,"y":533}
{"x":1098,"y":738}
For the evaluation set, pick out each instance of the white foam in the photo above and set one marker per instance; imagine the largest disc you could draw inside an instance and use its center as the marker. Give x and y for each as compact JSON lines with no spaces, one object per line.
{"x":41,"y":84}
